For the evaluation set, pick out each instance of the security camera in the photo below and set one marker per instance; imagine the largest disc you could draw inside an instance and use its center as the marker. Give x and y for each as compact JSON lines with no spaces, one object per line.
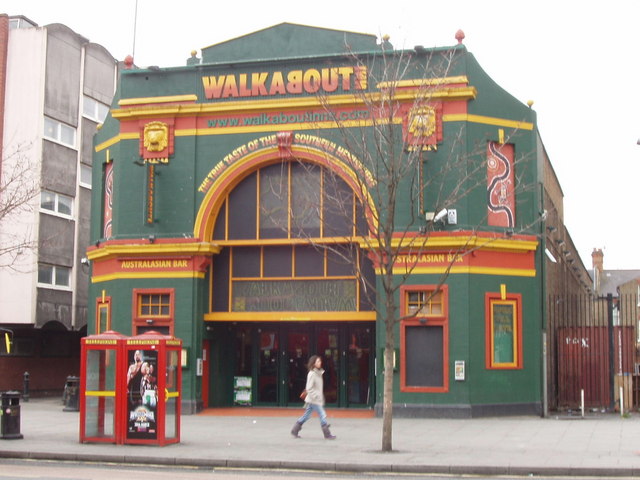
{"x":544,"y":215}
{"x":84,"y":261}
{"x":440,"y":216}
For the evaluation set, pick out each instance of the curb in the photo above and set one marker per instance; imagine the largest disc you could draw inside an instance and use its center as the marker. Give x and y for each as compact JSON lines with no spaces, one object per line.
{"x":327,"y":466}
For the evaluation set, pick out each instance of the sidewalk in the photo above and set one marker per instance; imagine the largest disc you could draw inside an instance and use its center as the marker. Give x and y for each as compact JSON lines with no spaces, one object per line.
{"x":602,"y":445}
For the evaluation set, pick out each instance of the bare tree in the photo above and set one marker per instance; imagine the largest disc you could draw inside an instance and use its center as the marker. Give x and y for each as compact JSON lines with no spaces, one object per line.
{"x":390,"y":166}
{"x":19,"y":187}
{"x":394,"y":176}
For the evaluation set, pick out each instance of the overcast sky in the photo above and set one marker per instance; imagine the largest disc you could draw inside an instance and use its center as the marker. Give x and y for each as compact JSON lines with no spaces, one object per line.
{"x":579,"y":61}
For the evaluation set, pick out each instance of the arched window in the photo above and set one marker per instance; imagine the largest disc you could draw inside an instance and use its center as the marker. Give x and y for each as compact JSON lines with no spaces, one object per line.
{"x":290,"y":200}
{"x":289,"y":230}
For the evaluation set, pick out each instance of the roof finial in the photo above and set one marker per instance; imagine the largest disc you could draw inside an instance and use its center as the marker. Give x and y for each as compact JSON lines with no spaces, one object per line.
{"x":386,"y":44}
{"x":459,"y":36}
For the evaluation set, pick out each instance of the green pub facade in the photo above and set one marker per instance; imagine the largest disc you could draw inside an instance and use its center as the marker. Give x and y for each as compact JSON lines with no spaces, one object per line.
{"x":236,"y":207}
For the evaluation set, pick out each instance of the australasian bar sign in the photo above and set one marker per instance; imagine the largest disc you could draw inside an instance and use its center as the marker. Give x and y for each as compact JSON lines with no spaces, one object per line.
{"x":268,"y":84}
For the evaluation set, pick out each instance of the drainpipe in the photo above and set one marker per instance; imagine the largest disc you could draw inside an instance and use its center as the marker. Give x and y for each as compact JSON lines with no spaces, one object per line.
{"x":612,"y":379}
{"x":4,"y":49}
{"x":543,"y":309}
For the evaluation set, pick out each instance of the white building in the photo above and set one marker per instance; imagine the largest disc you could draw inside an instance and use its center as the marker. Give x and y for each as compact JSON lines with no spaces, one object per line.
{"x":55,"y":89}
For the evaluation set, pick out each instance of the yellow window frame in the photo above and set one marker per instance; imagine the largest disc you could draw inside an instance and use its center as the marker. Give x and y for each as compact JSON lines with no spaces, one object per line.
{"x":509,"y":327}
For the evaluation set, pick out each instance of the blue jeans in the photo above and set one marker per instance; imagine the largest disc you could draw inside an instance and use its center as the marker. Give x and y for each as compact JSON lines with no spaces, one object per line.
{"x":310,"y":407}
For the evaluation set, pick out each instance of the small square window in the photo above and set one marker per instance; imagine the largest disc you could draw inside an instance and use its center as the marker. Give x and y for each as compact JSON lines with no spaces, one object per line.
{"x":59,"y":132}
{"x":67,"y":135}
{"x":50,"y":129}
{"x":45,"y":274}
{"x":155,"y":305}
{"x":54,"y":275}
{"x":85,"y":175}
{"x":154,"y":310}
{"x":56,"y":202}
{"x":62,"y":276}
{"x":64,"y":205}
{"x":48,"y":201}
{"x":94,"y":110}
{"x":424,"y":303}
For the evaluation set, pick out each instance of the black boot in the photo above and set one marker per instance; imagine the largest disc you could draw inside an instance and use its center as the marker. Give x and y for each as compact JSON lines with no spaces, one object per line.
{"x":327,"y":432}
{"x":296,"y":429}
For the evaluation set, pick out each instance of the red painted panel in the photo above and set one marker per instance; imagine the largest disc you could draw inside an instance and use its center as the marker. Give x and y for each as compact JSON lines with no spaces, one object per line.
{"x":584,"y":363}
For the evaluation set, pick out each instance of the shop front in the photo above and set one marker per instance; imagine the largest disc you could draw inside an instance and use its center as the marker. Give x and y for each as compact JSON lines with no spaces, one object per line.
{"x":240,"y":205}
{"x":268,"y":366}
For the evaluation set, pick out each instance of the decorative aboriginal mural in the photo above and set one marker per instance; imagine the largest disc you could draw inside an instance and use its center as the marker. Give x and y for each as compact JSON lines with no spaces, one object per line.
{"x":500,"y":185}
{"x":108,"y":200}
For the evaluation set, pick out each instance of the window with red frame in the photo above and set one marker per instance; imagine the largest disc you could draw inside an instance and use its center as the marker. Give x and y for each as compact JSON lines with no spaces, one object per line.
{"x":424,"y":339}
{"x":503,"y":331}
{"x":153,"y":310}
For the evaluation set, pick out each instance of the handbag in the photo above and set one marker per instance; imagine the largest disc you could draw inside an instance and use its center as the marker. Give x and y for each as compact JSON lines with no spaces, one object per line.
{"x":303,"y":394}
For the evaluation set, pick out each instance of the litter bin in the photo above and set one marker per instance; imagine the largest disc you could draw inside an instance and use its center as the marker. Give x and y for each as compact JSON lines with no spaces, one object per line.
{"x":71,"y":395}
{"x":10,"y":415}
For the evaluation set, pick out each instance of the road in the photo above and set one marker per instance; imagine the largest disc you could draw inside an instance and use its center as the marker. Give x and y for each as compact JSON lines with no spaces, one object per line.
{"x":51,"y":470}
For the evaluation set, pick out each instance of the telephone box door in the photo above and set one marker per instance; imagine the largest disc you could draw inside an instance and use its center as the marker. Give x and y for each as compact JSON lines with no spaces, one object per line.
{"x":101,"y":361}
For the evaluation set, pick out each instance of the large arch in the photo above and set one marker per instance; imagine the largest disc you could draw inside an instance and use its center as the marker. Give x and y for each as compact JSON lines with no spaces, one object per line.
{"x":226,"y":178}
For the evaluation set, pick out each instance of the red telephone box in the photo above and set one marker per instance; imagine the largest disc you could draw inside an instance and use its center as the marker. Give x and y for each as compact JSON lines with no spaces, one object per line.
{"x":130,"y":389}
{"x":102,"y":360}
{"x":152,"y":379}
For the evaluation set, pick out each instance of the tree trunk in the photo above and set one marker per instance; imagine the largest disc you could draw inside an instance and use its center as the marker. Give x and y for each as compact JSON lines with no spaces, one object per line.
{"x":387,"y":400}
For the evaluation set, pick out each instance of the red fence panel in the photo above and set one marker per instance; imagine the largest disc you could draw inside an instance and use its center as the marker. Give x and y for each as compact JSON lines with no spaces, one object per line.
{"x":586,"y":362}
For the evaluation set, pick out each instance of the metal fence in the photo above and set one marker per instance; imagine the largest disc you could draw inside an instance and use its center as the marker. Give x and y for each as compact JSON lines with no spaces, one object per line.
{"x":592,"y":349}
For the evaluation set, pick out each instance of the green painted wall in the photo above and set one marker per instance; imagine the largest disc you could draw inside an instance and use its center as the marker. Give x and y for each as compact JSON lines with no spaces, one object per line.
{"x":177,"y":203}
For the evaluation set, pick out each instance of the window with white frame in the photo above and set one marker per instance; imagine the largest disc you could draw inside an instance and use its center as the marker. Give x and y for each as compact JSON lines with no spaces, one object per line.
{"x":94,"y":110}
{"x":54,"y":276}
{"x":85,"y":176}
{"x":59,"y":132}
{"x":56,"y":202}
{"x":15,"y":23}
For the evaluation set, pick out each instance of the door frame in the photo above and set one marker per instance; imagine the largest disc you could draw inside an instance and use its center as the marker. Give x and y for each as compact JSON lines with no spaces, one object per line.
{"x":283,"y":364}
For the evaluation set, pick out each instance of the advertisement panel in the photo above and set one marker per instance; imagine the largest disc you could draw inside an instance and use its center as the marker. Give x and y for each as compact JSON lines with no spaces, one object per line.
{"x":142,"y":394}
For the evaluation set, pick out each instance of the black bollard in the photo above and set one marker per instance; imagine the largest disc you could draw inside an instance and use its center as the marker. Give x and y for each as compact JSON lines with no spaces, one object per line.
{"x":25,"y":387}
{"x":71,"y":396}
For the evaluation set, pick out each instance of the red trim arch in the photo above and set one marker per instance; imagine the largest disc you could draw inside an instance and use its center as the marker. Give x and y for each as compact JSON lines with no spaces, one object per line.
{"x":227,"y":178}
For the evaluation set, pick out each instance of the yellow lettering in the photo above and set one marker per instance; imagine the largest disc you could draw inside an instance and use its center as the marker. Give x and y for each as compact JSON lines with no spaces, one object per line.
{"x":244,"y":91}
{"x":258,"y":81}
{"x":294,"y":81}
{"x":361,"y":78}
{"x":230,"y":87}
{"x":312,"y":80}
{"x":277,"y":84}
{"x":213,"y":86}
{"x":345,"y":73}
{"x":329,"y":79}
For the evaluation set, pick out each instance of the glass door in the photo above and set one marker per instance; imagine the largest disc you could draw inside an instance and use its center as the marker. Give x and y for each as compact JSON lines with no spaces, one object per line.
{"x":358,"y":370}
{"x":275,"y":358}
{"x":268,"y":355}
{"x":296,"y":359}
{"x":328,"y":347}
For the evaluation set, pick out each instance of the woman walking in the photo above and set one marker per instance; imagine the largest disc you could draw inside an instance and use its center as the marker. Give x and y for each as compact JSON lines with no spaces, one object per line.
{"x":314,"y":399}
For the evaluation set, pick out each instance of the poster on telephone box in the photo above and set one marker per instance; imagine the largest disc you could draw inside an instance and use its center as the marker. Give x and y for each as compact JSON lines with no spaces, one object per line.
{"x":142,"y":394}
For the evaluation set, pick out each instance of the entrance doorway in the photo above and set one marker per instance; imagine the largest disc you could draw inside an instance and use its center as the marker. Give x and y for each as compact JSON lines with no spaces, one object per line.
{"x":274,"y":357}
